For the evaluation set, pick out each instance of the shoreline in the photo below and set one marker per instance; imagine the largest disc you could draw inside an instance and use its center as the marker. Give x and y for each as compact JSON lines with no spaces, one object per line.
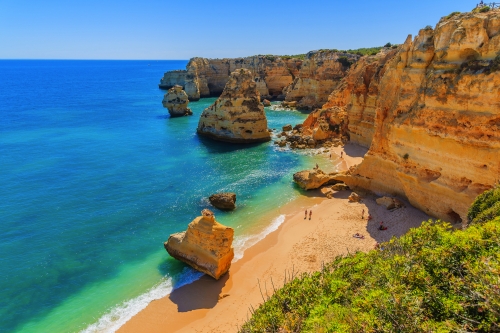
{"x":297,"y":246}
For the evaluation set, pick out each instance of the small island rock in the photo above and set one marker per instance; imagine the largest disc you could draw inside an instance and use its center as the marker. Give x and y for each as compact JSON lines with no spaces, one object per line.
{"x":206,"y":245}
{"x":176,"y":101}
{"x":224,"y":201}
{"x":237,"y":116}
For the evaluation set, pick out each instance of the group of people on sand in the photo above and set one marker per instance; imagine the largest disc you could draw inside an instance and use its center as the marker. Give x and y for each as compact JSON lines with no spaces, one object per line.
{"x":369,"y":217}
{"x":310,"y":214}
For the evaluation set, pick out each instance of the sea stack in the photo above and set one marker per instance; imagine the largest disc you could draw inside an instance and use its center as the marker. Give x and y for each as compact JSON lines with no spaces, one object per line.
{"x":223,"y":201}
{"x":237,"y":116}
{"x":206,"y":245}
{"x":176,"y":101}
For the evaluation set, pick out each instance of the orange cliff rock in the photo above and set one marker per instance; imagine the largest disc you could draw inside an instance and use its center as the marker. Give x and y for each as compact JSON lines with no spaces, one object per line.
{"x":306,"y":83}
{"x":206,"y":245}
{"x":237,"y":116}
{"x":319,"y":75}
{"x":435,"y":106}
{"x":207,"y":77}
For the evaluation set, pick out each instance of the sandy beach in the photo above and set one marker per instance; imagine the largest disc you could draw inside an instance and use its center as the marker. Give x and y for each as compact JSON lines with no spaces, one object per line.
{"x":299,"y":245}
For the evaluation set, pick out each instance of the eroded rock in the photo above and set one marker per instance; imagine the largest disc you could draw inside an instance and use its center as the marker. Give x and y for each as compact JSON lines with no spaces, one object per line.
{"x":313,"y":179}
{"x":176,"y":101}
{"x":206,"y":245}
{"x":237,"y":116}
{"x":224,"y":201}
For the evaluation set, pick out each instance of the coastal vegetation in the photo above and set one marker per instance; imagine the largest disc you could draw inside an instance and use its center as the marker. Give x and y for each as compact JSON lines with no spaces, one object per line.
{"x":361,"y":52}
{"x":435,"y":278}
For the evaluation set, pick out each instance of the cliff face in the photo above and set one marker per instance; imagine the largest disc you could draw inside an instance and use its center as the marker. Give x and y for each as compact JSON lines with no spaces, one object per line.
{"x":237,"y":115}
{"x":436,"y":111}
{"x":308,"y":82}
{"x":207,"y":77}
{"x":320,"y":73}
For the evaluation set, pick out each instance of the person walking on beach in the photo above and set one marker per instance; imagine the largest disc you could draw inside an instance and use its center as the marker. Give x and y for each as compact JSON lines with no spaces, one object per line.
{"x":305,"y":216}
{"x":310,"y":214}
{"x":341,"y":154}
{"x":363,"y":214}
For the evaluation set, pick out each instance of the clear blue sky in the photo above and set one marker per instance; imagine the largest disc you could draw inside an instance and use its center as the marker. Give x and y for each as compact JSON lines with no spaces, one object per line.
{"x":165,"y":29}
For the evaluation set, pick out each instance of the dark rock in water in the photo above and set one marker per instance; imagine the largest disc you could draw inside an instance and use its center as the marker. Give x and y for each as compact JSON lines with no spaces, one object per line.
{"x":224,"y":201}
{"x":287,"y":128}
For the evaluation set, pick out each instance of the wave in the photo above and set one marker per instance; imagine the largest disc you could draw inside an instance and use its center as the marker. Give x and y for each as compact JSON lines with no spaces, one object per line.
{"x":122,"y":313}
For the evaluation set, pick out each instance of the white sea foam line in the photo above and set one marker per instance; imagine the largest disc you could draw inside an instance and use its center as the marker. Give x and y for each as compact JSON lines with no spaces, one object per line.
{"x":122,"y":313}
{"x":118,"y":316}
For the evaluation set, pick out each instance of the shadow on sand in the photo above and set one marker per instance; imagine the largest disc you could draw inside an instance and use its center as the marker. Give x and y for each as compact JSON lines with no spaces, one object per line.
{"x":201,"y":294}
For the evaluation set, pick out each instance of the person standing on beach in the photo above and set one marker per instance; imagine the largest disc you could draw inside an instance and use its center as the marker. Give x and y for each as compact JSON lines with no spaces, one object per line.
{"x":305,"y":216}
{"x":341,"y":154}
{"x":363,"y":214}
{"x":310,"y":214}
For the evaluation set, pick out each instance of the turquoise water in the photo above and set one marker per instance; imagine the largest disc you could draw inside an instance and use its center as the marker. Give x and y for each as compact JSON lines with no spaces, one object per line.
{"x":95,"y":176}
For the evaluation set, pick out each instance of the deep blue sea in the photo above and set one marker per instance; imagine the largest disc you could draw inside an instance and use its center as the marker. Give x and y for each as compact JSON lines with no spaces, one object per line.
{"x":95,"y":176}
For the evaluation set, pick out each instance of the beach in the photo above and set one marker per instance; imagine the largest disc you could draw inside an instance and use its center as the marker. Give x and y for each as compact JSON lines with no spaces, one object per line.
{"x":299,"y":245}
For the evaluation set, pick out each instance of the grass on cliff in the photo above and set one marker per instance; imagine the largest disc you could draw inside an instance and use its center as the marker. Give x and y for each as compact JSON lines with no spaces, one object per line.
{"x":433,"y":279}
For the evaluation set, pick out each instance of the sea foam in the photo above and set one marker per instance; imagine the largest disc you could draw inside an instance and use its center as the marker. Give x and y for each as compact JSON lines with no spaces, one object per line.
{"x":122,"y":313}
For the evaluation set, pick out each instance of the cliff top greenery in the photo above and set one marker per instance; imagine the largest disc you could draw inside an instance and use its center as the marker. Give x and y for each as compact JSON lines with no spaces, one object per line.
{"x":361,"y":52}
{"x":433,"y":279}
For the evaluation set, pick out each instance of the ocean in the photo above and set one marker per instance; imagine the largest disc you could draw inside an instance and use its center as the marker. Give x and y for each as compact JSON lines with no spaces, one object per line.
{"x":94,"y":178}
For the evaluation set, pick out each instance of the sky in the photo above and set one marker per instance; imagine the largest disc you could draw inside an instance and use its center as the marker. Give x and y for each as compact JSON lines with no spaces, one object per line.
{"x":182,"y":29}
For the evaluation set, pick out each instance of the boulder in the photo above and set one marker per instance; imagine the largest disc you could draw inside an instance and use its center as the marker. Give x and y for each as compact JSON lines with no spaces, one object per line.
{"x":176,"y":101}
{"x":328,"y":192}
{"x":266,"y":102}
{"x":206,"y":245}
{"x":340,"y":187}
{"x":389,"y":203}
{"x":224,"y":201}
{"x":237,"y":116}
{"x":354,"y":197}
{"x":287,"y":128}
{"x":312,"y":179}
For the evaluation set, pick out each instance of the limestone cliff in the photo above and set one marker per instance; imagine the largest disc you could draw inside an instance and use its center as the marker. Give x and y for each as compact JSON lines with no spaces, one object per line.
{"x":208,"y":77}
{"x":320,"y":73}
{"x":308,"y":82}
{"x":237,"y":115}
{"x":435,"y":106}
{"x":206,"y":245}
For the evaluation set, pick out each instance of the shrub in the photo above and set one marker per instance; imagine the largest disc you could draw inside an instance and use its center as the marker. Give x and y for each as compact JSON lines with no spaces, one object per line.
{"x":451,"y":15}
{"x":484,"y":9}
{"x":388,"y":45}
{"x":433,"y":279}
{"x":344,"y":61}
{"x":485,"y":207}
{"x":428,"y":27}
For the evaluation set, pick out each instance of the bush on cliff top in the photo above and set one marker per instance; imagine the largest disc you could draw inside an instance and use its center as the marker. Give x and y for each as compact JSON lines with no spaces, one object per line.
{"x":433,"y":279}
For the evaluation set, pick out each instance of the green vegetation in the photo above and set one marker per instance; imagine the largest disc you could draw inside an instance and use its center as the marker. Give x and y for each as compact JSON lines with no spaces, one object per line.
{"x":428,"y":27}
{"x":296,"y":56}
{"x":345,"y":61}
{"x":433,"y":279}
{"x":451,"y":15}
{"x":388,"y":45}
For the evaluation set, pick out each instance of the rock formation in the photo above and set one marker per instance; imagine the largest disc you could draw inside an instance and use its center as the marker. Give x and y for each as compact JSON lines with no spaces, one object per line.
{"x":389,"y":203}
{"x":224,"y":201}
{"x":176,"y":101}
{"x":304,"y":84}
{"x":208,"y":77}
{"x":436,"y":111}
{"x":206,"y":245}
{"x":313,"y":179}
{"x":237,"y":115}
{"x":320,"y":73}
{"x":349,"y":113}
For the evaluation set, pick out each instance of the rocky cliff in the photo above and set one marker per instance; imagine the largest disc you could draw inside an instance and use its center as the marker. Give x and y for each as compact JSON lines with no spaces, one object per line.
{"x":207,"y":77}
{"x":433,"y":112}
{"x":308,"y":82}
{"x":237,"y":115}
{"x":319,"y":74}
{"x":206,"y":245}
